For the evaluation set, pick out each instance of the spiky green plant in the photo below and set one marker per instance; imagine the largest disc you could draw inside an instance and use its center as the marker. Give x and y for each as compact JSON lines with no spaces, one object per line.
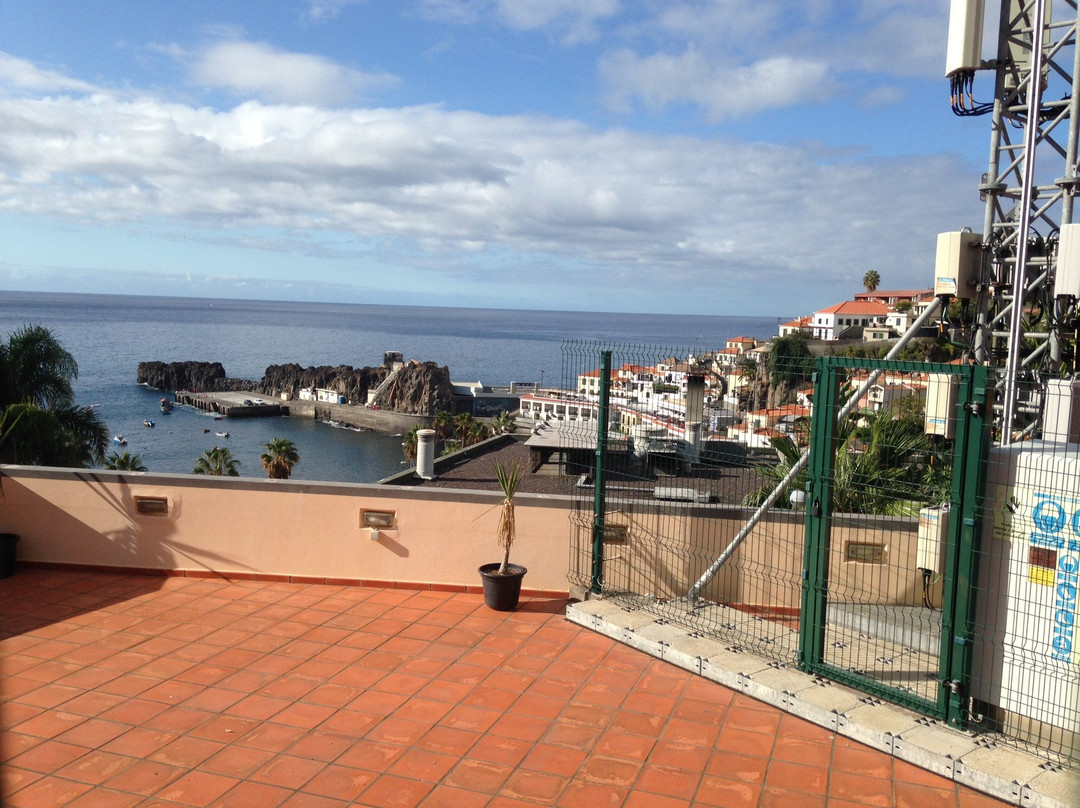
{"x":509,"y":478}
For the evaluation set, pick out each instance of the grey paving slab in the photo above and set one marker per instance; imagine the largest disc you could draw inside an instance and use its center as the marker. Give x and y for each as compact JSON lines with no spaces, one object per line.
{"x":1006,"y":773}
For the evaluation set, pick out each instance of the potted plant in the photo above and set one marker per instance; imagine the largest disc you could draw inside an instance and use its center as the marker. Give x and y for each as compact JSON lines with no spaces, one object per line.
{"x":502,"y":581}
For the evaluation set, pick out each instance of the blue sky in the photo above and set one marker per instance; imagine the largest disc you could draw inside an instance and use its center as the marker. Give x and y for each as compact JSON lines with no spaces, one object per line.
{"x":697,"y":156}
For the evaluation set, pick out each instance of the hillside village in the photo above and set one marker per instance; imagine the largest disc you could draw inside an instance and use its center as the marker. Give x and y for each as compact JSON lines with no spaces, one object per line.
{"x":650,"y":402}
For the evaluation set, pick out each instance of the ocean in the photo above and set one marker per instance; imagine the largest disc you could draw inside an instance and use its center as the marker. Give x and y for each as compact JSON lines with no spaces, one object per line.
{"x":110,"y":334}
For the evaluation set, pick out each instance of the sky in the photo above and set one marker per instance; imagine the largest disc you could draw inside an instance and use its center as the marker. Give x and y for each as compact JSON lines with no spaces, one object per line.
{"x":668,"y":156}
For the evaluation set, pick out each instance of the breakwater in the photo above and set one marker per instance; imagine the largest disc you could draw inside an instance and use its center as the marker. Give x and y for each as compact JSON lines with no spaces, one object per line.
{"x":241,"y":405}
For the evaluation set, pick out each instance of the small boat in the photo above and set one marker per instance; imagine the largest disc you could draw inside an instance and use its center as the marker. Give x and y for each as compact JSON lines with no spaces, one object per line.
{"x":166,"y":405}
{"x":147,"y":422}
{"x":120,"y":439}
{"x":222,"y":434}
{"x":205,"y":431}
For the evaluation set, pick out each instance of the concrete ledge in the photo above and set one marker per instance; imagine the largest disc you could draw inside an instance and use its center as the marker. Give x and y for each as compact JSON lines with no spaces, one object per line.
{"x":1005,"y":773}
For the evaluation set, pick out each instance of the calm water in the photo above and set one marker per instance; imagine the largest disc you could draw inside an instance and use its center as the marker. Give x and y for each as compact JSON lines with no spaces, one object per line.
{"x":109,"y":335}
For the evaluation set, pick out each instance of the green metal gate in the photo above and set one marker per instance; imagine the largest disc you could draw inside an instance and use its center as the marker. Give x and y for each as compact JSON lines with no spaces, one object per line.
{"x":885,"y":611}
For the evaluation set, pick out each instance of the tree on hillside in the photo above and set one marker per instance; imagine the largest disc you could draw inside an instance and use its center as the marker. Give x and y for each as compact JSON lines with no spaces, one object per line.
{"x":217,"y":462}
{"x":279,"y":458}
{"x":124,"y":462}
{"x":790,"y":360}
{"x":41,"y":423}
{"x":871,"y":280}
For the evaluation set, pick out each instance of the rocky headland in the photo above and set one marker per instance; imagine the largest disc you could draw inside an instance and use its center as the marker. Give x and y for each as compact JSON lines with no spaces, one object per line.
{"x":415,"y":388}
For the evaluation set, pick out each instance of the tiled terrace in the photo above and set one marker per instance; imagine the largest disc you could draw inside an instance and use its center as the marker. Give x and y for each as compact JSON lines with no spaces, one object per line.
{"x":125,"y":690}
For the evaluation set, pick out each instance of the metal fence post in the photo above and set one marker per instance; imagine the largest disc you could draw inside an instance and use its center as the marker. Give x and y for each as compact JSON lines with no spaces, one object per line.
{"x":596,"y":586}
{"x":961,"y":564}
{"x":815,"y":573}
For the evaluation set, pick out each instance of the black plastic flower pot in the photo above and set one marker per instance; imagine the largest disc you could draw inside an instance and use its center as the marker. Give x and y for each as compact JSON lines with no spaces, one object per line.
{"x":8,"y":542}
{"x":502,"y":592}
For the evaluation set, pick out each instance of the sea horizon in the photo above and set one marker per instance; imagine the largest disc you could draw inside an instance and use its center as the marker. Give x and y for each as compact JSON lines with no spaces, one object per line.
{"x":290,"y":302}
{"x":109,"y":335}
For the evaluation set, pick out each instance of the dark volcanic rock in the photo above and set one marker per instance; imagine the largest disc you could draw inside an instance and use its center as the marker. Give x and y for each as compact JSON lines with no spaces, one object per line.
{"x":419,"y":388}
{"x":205,"y":377}
{"x":351,"y":382}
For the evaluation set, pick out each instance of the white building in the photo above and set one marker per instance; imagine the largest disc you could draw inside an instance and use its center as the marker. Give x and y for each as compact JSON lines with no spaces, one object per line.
{"x":831,"y":323}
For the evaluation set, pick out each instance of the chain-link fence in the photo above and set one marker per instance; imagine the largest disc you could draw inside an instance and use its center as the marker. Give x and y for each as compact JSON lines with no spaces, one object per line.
{"x":846,"y":543}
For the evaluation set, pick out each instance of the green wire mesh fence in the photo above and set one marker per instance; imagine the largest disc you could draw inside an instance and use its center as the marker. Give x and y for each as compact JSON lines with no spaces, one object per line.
{"x":865,"y":564}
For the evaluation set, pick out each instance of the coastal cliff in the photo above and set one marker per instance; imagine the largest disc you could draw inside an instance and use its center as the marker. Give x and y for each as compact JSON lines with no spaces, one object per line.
{"x":205,"y":377}
{"x":416,"y":388}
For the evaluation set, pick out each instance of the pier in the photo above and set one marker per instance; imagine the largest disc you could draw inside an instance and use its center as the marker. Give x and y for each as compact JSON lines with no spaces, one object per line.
{"x":251,"y":405}
{"x":231,"y":405}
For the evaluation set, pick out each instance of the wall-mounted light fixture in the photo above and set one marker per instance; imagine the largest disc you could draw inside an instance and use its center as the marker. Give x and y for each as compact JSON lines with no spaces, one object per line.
{"x":377,"y":520}
{"x":383,"y":519}
{"x":152,"y":506}
{"x":616,"y":533}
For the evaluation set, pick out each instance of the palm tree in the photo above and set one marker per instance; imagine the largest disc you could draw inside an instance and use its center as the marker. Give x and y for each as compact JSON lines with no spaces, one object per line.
{"x":409,"y":442}
{"x":884,"y":465}
{"x":279,"y":458}
{"x":217,"y":462}
{"x":42,"y":424}
{"x":443,"y":424}
{"x":478,"y":431}
{"x":124,"y":462}
{"x":871,"y":280}
{"x":463,"y":423}
{"x":504,"y":423}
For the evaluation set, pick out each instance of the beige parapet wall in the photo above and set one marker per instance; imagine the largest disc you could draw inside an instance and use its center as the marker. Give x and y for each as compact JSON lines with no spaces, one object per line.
{"x":247,"y":526}
{"x":668,"y":548}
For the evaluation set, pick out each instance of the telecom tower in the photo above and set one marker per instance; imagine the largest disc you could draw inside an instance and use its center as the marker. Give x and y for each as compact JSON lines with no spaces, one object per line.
{"x":1018,"y":281}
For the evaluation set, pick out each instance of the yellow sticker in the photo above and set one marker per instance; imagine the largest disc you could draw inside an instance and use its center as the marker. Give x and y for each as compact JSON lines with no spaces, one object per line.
{"x":1040,"y":575}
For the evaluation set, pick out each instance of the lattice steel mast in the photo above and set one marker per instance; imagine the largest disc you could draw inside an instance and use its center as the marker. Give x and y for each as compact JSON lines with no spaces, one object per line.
{"x":1021,"y":325}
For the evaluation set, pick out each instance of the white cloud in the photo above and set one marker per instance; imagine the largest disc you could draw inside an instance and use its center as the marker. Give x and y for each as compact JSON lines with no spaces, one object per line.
{"x":321,"y":10}
{"x":20,"y":74}
{"x":255,"y":68}
{"x":725,"y":92}
{"x":733,"y":59}
{"x":571,"y":21}
{"x":457,"y":183}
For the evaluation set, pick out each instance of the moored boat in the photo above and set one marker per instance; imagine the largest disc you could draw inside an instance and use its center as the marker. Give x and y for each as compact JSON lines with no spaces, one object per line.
{"x":222,"y":434}
{"x":120,"y":439}
{"x":147,"y":422}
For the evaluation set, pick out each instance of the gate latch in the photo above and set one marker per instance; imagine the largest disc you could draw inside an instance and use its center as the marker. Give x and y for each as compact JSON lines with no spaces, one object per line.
{"x":953,"y":685}
{"x":974,"y":407}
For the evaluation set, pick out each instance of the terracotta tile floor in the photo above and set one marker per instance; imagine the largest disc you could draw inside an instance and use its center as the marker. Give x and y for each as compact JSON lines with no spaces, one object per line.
{"x":136,"y":691}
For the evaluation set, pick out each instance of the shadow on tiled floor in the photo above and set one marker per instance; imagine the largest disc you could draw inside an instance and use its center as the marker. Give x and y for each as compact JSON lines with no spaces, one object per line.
{"x":133,"y":691}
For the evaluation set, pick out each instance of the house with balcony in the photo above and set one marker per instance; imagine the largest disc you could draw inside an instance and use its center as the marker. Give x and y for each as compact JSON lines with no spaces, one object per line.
{"x":890,"y":297}
{"x":847,"y":319}
{"x":796,"y":326}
